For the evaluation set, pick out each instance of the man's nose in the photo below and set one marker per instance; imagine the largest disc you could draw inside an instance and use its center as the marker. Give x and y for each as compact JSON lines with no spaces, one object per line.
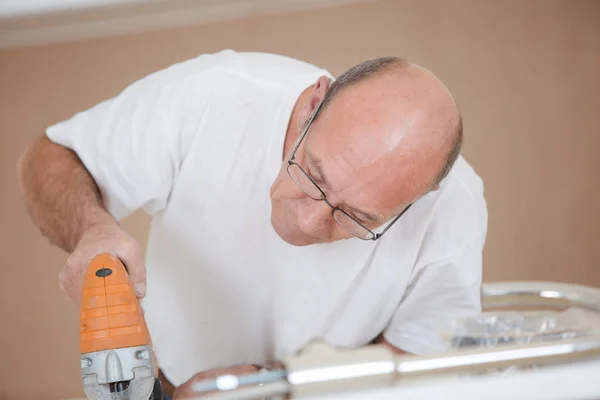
{"x":315,"y":217}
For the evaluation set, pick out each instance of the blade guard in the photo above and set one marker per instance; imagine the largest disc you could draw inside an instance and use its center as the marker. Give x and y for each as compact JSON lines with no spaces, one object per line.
{"x":117,"y":359}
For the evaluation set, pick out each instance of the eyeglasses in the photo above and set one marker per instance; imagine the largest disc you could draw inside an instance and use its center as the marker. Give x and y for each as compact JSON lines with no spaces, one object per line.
{"x":305,"y":183}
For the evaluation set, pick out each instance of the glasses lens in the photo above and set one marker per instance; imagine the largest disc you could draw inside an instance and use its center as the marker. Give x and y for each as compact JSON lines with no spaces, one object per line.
{"x":304,"y":183}
{"x":351,"y":226}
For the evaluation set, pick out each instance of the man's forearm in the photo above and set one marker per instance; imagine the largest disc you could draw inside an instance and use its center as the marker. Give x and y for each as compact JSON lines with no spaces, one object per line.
{"x":61,"y":196}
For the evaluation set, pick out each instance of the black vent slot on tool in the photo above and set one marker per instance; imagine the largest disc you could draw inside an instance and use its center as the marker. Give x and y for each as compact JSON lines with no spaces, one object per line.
{"x":102,"y":272}
{"x":119,"y":387}
{"x":157,"y":391}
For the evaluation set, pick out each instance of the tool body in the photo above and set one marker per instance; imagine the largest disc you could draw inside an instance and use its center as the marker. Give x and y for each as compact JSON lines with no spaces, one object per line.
{"x":117,"y":358}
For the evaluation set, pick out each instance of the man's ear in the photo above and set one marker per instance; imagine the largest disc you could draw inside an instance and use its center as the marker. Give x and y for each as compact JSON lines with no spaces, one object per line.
{"x":316,"y":95}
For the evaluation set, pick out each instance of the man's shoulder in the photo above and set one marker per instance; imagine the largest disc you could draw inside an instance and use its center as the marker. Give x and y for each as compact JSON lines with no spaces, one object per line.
{"x":250,"y":59}
{"x":458,"y":208}
{"x":465,"y":180}
{"x":268,"y":68}
{"x":464,"y":196}
{"x":463,"y":189}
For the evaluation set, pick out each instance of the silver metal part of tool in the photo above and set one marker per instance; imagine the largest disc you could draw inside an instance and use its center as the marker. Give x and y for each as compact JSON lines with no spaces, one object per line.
{"x":319,"y":370}
{"x":270,"y":391}
{"x":230,"y":382}
{"x":119,"y":374}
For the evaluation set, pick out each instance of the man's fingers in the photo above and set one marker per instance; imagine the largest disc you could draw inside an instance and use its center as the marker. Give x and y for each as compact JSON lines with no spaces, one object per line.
{"x":245,"y":369}
{"x":67,"y":285}
{"x":186,"y":391}
{"x":103,"y":238}
{"x":215,"y":373}
{"x":140,"y":290}
{"x":61,"y":285}
{"x":134,"y":262}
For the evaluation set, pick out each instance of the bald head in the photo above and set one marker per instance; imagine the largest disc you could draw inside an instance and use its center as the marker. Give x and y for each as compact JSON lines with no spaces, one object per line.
{"x":384,"y":134}
{"x":415,"y":78}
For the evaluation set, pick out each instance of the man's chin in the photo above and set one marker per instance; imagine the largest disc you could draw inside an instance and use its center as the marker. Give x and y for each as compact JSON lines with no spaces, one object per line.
{"x":293,"y":238}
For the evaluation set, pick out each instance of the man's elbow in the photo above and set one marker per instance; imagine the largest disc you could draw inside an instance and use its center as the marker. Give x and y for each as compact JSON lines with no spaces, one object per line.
{"x":380,"y":340}
{"x":27,"y":160}
{"x":24,"y":163}
{"x":34,"y":160}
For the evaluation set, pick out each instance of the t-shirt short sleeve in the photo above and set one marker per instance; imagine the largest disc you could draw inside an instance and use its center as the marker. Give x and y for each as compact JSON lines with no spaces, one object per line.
{"x":134,"y":143}
{"x":441,"y":292}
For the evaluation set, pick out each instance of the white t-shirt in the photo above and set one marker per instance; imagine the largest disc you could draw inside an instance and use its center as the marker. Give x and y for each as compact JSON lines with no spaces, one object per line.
{"x":197,"y":145}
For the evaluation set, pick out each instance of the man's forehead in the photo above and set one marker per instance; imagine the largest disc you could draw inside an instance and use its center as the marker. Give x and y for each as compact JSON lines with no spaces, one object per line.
{"x":371,"y":192}
{"x":357,"y":144}
{"x":333,"y":181}
{"x":382,"y":181}
{"x":384,"y":137}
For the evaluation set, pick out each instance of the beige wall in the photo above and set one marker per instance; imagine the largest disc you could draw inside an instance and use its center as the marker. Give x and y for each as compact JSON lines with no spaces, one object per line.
{"x":524,"y":72}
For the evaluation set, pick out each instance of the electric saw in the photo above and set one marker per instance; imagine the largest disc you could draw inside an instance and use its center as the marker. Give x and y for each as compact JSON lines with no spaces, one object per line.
{"x":117,"y":359}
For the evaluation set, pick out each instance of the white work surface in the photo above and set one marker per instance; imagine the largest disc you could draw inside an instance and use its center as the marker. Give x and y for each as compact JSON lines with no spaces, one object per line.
{"x":580,"y":381}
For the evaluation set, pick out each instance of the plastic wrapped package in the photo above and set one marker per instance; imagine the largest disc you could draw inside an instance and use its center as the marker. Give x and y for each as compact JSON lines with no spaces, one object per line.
{"x":494,"y":329}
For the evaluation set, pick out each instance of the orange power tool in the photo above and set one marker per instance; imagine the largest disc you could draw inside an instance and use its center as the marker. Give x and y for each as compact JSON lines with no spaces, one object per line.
{"x":117,"y":360}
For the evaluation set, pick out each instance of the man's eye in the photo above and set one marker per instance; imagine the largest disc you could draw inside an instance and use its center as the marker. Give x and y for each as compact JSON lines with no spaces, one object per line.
{"x":362,"y":221}
{"x":314,"y":177}
{"x":357,"y":219}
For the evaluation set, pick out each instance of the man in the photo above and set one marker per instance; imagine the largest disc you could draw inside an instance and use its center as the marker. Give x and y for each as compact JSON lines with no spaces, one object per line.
{"x":287,"y":206}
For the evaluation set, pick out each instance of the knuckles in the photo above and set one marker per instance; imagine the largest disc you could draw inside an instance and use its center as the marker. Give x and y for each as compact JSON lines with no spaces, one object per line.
{"x":131,"y":249}
{"x":95,"y":241}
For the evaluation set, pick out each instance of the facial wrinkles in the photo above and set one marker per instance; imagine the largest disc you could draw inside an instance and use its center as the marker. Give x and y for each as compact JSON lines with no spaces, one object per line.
{"x":355,"y":173}
{"x":368,"y":163}
{"x":346,"y":187}
{"x":386,"y":187}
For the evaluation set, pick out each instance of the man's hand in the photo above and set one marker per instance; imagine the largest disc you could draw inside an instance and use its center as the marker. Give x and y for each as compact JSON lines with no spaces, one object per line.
{"x":185,"y":391}
{"x":64,"y":201}
{"x":105,"y":237}
{"x":380,"y":340}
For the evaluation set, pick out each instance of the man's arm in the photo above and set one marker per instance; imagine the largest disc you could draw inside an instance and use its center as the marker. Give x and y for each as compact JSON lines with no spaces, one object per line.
{"x":60,"y":195}
{"x":380,"y":340}
{"x":64,"y":202}
{"x":186,"y":391}
{"x":104,"y":163}
{"x":442,"y":291}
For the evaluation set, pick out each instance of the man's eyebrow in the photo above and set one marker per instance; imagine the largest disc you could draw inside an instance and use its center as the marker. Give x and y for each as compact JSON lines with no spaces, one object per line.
{"x":317,"y":164}
{"x":365,"y":216}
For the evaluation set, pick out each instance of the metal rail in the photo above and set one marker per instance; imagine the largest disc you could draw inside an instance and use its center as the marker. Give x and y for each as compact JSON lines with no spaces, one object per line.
{"x":549,"y":295}
{"x":378,"y":368}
